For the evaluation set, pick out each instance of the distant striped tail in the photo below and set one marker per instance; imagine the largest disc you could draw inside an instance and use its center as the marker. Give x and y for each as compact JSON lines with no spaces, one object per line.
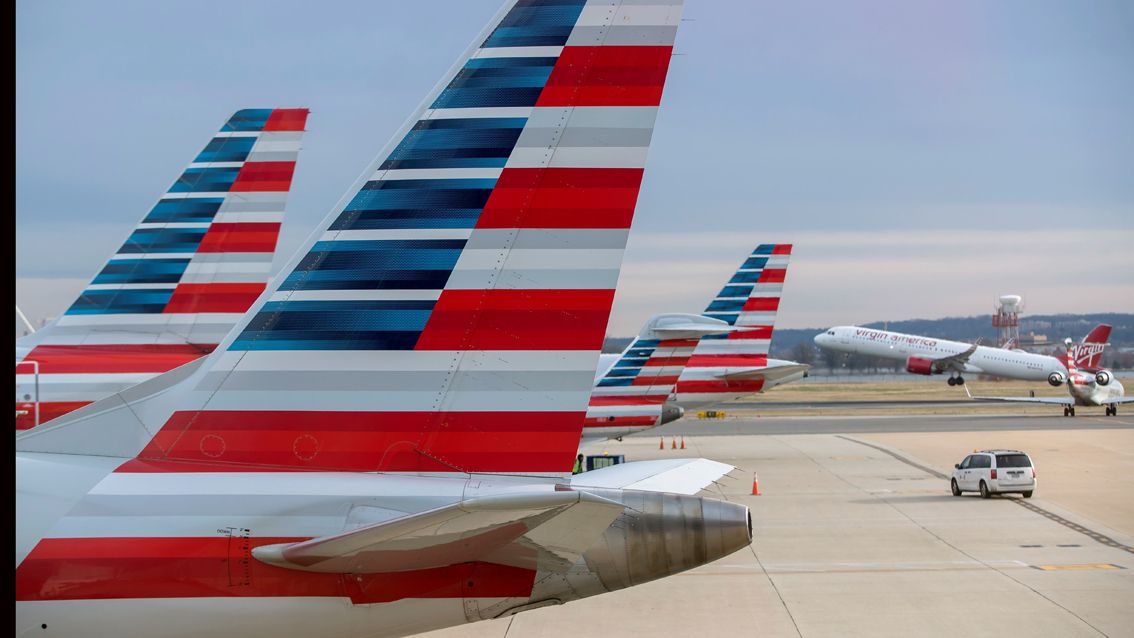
{"x":182,"y":279}
{"x":749,"y":301}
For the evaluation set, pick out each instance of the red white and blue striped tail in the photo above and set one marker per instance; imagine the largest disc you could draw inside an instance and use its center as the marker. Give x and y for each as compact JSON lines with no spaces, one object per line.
{"x":726,"y":366}
{"x":712,"y":360}
{"x":179,"y":283}
{"x":448,"y":317}
{"x":632,"y":395}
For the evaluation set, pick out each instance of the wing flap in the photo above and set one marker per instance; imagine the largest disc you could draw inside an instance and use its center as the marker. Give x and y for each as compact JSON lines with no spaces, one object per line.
{"x":549,"y":530}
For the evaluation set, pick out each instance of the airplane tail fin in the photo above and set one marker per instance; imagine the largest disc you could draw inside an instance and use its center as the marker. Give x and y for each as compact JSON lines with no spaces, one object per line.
{"x":1088,"y":352}
{"x":448,"y":314}
{"x":633,"y":392}
{"x":184,"y":276}
{"x":203,"y":253}
{"x":749,"y":302}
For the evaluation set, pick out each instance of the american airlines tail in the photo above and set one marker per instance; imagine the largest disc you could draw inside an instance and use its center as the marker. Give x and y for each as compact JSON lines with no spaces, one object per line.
{"x":734,"y":364}
{"x":712,"y":357}
{"x":182,"y":279}
{"x":1087,"y":354}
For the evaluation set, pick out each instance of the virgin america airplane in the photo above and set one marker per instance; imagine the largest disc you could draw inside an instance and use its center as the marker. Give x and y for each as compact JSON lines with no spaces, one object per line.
{"x":384,"y":444}
{"x":927,"y":355}
{"x":182,"y":279}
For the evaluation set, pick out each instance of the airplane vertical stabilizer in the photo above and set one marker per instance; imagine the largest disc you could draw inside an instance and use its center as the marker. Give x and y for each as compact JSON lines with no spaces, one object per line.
{"x":749,"y":302}
{"x":1087,"y":354}
{"x":181,"y":280}
{"x":447,"y":315}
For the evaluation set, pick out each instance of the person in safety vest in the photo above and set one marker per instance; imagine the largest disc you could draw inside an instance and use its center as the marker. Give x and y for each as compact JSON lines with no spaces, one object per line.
{"x":578,"y":465}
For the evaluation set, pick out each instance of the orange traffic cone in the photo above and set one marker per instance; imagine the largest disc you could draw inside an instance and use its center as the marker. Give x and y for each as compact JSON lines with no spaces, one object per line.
{"x":661,"y":443}
{"x":683,"y":441}
{"x":673,"y":444}
{"x":755,"y":485}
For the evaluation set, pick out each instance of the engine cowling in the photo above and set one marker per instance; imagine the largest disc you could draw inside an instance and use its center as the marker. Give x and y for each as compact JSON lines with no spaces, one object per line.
{"x":919,"y":365}
{"x":1102,"y":377}
{"x":1056,"y":379}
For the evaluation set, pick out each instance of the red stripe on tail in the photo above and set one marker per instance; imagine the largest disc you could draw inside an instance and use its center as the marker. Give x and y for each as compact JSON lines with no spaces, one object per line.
{"x":213,"y":297}
{"x":371,"y":441}
{"x":240,"y":237}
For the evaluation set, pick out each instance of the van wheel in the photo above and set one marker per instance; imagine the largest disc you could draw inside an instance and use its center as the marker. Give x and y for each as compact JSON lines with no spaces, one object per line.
{"x":984,"y":493}
{"x":953,"y":486}
{"x":1028,"y":494}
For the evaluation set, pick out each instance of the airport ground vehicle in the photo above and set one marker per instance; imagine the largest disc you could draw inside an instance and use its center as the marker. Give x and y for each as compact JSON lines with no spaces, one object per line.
{"x":994,"y":472}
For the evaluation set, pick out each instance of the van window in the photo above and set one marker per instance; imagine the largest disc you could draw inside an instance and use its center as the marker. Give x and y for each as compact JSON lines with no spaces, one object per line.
{"x":980,"y":461}
{"x":1013,"y":460}
{"x":967,"y":463}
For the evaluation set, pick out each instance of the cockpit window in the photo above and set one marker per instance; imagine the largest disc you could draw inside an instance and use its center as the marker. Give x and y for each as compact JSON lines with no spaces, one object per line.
{"x":831,"y":332}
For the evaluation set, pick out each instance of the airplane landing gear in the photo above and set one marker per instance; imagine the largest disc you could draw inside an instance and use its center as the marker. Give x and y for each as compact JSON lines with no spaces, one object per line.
{"x":1112,"y":410}
{"x":1069,"y":411}
{"x":957,"y":380}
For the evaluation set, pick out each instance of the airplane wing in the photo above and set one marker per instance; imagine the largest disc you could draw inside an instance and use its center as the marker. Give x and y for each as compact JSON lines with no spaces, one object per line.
{"x":547,"y":531}
{"x":771,"y":373}
{"x":957,"y":361}
{"x":676,"y":476}
{"x":1048,"y":400}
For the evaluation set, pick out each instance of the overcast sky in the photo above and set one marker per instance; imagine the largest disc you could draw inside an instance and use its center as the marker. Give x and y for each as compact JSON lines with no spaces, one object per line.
{"x":924,"y":157}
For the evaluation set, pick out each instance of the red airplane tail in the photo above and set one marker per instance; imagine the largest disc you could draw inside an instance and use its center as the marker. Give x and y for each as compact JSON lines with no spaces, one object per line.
{"x":1088,"y":353}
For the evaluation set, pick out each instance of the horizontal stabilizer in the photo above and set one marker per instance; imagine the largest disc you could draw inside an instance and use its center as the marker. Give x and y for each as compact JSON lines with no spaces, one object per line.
{"x":684,"y":326}
{"x":676,"y":476}
{"x":548,"y":530}
{"x":768,"y":373}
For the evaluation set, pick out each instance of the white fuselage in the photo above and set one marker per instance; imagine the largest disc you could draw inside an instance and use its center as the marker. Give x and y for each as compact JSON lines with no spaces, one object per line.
{"x":1087,"y":392}
{"x":1009,"y":364}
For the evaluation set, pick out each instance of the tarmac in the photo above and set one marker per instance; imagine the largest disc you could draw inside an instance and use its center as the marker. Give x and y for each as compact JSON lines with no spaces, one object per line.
{"x":856,"y":534}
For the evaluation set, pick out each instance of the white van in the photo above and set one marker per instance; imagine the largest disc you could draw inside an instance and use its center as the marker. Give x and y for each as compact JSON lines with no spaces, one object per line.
{"x":994,"y":472}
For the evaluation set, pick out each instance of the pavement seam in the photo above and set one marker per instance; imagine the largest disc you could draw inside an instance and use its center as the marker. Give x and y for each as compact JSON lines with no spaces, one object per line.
{"x":771,"y":581}
{"x":1048,"y":514}
{"x":951,"y":545}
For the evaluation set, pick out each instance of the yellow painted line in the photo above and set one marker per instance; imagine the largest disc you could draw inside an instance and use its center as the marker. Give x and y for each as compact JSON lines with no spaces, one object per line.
{"x":1079,"y":567}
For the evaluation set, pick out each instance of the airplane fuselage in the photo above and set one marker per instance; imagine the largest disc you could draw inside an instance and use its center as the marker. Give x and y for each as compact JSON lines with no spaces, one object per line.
{"x":102,"y":541}
{"x":1009,"y":364}
{"x":1088,"y":392}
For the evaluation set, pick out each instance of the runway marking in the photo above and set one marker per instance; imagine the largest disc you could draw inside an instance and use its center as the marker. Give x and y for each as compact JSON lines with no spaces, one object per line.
{"x":1052,"y":516}
{"x":1080,"y":567}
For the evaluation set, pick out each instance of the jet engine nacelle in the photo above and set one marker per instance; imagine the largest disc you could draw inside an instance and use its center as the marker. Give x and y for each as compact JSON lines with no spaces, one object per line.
{"x":919,"y":365}
{"x":671,"y":412}
{"x":1056,"y":379}
{"x":1102,"y":377}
